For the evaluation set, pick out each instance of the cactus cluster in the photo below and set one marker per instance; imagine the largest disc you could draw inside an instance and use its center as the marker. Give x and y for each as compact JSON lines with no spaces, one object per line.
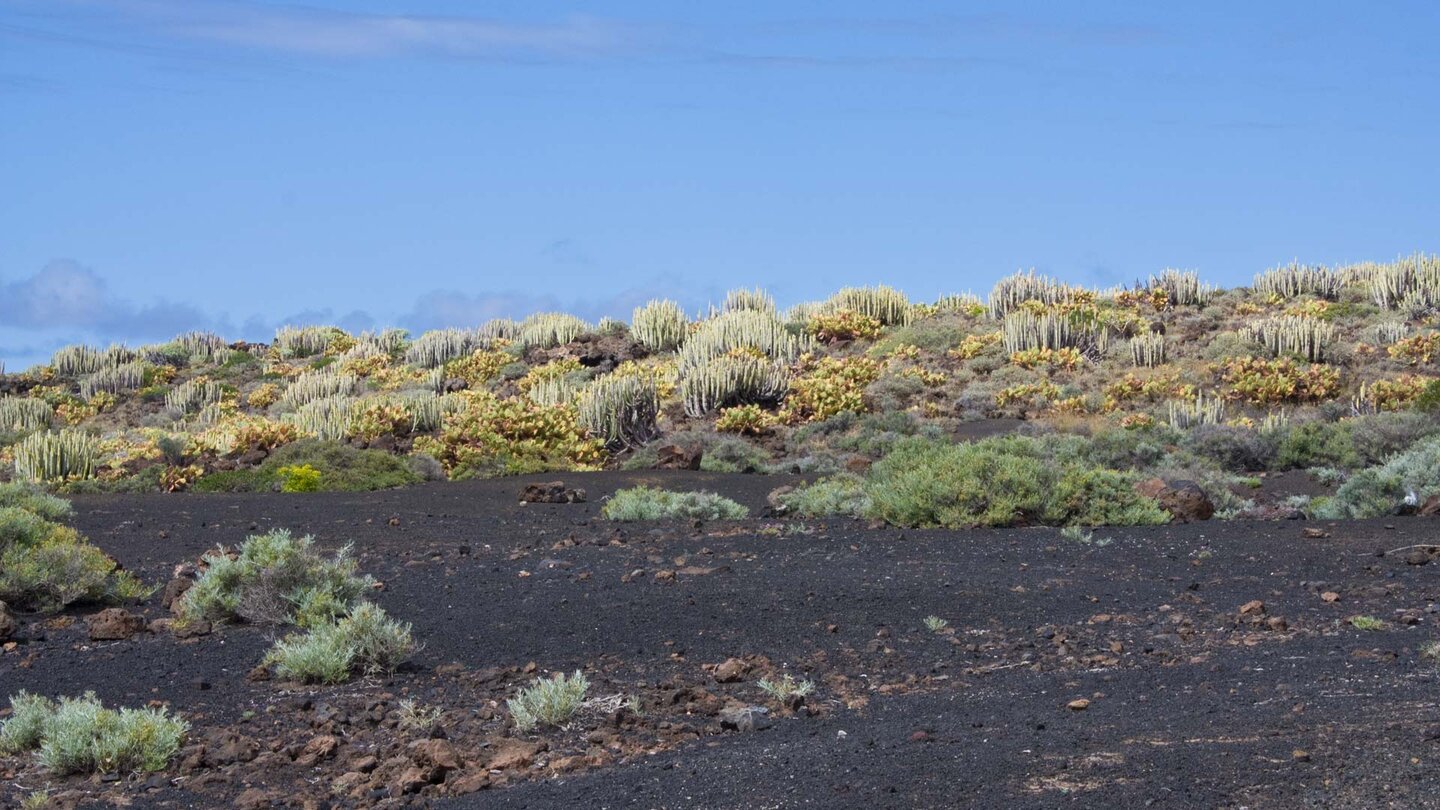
{"x":1301,"y":335}
{"x":438,"y":347}
{"x":743,"y":330}
{"x":1182,"y":288}
{"x":756,"y":300}
{"x":1024,"y":330}
{"x":966,"y":302}
{"x":1296,"y":279}
{"x":74,"y":361}
{"x":1201,"y":410}
{"x":887,"y":305}
{"x":318,"y":384}
{"x":555,"y":390}
{"x":192,"y":395}
{"x":24,"y":413}
{"x":304,"y":341}
{"x":620,"y":410}
{"x":64,"y":456}
{"x":202,"y":346}
{"x":659,"y":325}
{"x":1013,"y":290}
{"x":1148,"y":350}
{"x":1410,"y":284}
{"x":732,"y":380}
{"x":325,"y":418}
{"x":546,"y":330}
{"x":114,"y":380}
{"x":1390,"y":332}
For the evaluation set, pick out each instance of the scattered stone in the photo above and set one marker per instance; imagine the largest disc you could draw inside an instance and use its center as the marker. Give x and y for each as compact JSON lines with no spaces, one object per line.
{"x":8,"y":625}
{"x":255,"y":799}
{"x":1314,"y":532}
{"x":319,"y":748}
{"x":551,"y":492}
{"x":1078,"y":705}
{"x":1430,"y":507}
{"x":114,"y":624}
{"x":513,"y":754}
{"x":1418,"y":556}
{"x":1184,"y":500}
{"x":731,"y":670}
{"x":1330,"y":596}
{"x":677,"y":457}
{"x":1254,"y":606}
{"x":1277,"y":623}
{"x":439,"y":754}
{"x":746,"y":718}
{"x":1300,"y":755}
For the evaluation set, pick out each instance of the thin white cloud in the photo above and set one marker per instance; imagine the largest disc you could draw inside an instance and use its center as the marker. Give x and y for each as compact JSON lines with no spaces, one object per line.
{"x":359,"y":35}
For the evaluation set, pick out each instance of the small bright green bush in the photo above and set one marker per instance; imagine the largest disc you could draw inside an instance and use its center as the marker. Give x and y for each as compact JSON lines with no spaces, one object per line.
{"x":732,"y":455}
{"x":548,"y":702}
{"x":646,"y":503}
{"x":1000,"y":482}
{"x":365,"y":642}
{"x":80,"y":735}
{"x":302,"y":478}
{"x":275,"y":578}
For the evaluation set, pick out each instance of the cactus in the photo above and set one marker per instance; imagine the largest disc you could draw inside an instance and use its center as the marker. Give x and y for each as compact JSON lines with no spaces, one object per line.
{"x":1148,"y":350}
{"x":550,"y":329}
{"x":885,"y":304}
{"x":965,"y":302}
{"x":744,"y":329}
{"x":1389,"y":332}
{"x":1295,"y":279}
{"x":436,"y":348}
{"x":64,"y":456}
{"x":114,"y":380}
{"x":202,"y":345}
{"x":1201,"y":410}
{"x":304,"y":341}
{"x":620,"y":410}
{"x":1013,"y":290}
{"x":1181,"y":287}
{"x":326,"y":418}
{"x":318,"y":384}
{"x":192,"y":395}
{"x":1024,"y":330}
{"x":25,"y":413}
{"x":1293,"y":334}
{"x":660,"y":325}
{"x":756,"y":300}
{"x":74,"y":361}
{"x":1411,"y":283}
{"x":555,"y":390}
{"x":732,"y":380}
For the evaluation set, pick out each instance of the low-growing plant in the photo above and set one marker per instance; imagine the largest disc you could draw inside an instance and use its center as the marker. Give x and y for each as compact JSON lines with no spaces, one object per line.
{"x":646,"y":503}
{"x":548,"y":701}
{"x":1412,"y":476}
{"x":80,"y":735}
{"x":844,"y":324}
{"x":275,"y":578}
{"x":1366,"y":623}
{"x":491,"y":436}
{"x":417,"y":718}
{"x":751,"y":420}
{"x":366,"y":641}
{"x":20,"y":495}
{"x":786,"y":687}
{"x":935,"y":624}
{"x":60,"y":569}
{"x":840,"y":494}
{"x":301,"y":478}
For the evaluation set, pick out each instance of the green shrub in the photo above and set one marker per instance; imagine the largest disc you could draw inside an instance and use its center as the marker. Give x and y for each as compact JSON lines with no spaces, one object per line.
{"x":62,"y":569}
{"x":21,"y":527}
{"x":999,"y":482}
{"x":1381,"y":490}
{"x":548,"y":702}
{"x":34,"y":499}
{"x":301,"y":478}
{"x":1316,"y":444}
{"x":365,"y":642}
{"x":80,"y":735}
{"x":1238,"y":449}
{"x":645,"y":503}
{"x":1429,"y":399}
{"x":274,"y":578}
{"x":731,"y":455}
{"x":841,"y":494}
{"x":1379,"y":436}
{"x":341,"y":468}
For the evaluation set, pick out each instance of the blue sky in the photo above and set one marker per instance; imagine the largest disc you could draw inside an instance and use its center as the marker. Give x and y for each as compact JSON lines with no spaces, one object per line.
{"x":235,"y":165}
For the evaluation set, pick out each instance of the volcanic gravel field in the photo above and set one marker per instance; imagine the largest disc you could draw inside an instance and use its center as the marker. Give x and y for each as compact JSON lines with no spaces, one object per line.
{"x":1202,"y":665}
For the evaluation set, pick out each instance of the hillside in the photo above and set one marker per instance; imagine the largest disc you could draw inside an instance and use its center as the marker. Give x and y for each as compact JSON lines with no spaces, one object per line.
{"x":1329,"y":371}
